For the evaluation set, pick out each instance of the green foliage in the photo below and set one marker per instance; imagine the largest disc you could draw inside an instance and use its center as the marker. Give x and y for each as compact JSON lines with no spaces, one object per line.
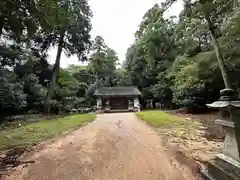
{"x":101,"y":71}
{"x":28,"y":82}
{"x":24,"y":86}
{"x":25,"y":77}
{"x":174,"y":62}
{"x":72,"y":30}
{"x":153,"y":52}
{"x":36,"y":93}
{"x":122,"y":77}
{"x":23,"y":18}
{"x":68,"y":85}
{"x":12,"y":96}
{"x":71,"y":35}
{"x":103,"y":60}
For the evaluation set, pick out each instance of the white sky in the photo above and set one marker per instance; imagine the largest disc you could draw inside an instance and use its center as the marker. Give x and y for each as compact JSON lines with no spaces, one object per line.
{"x":116,"y":21}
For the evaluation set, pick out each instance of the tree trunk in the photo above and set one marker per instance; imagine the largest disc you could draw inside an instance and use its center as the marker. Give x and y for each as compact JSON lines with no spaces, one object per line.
{"x":218,"y":54}
{"x":55,"y":72}
{"x":1,"y":25}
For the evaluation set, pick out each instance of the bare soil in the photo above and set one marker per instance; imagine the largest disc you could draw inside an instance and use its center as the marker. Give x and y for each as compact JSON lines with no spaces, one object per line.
{"x":200,"y":143}
{"x":113,"y":147}
{"x":212,"y":131}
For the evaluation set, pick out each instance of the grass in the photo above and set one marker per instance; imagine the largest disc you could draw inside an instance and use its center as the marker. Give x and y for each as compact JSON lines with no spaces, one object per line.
{"x":163,"y":119}
{"x":30,"y":134}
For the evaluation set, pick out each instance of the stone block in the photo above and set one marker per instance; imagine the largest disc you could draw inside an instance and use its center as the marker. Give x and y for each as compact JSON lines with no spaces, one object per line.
{"x":214,"y":172}
{"x":229,"y":164}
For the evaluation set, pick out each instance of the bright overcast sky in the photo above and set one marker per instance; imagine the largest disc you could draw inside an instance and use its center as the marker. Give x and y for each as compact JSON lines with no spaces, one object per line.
{"x":116,"y":21}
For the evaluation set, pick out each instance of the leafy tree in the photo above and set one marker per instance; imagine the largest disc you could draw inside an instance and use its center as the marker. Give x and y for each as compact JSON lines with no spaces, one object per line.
{"x":122,"y":78}
{"x":71,"y":36}
{"x":103,"y":61}
{"x":175,"y":62}
{"x":24,"y":18}
{"x":153,"y":51}
{"x":81,"y":73}
{"x":213,"y":12}
{"x":97,"y":61}
{"x":12,"y":96}
{"x":36,"y":93}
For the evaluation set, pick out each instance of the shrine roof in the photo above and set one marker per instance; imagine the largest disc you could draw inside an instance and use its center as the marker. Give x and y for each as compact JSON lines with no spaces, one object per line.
{"x":118,"y":91}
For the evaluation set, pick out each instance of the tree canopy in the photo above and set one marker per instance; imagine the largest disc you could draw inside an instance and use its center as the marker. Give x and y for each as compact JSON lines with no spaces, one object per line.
{"x":175,"y":60}
{"x":27,"y":31}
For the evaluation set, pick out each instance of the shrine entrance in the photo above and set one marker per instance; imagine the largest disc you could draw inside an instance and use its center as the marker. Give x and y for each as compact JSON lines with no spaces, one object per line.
{"x":118,"y":98}
{"x":119,"y":103}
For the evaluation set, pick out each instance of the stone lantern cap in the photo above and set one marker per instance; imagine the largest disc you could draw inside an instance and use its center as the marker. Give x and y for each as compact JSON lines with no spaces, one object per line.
{"x":223,"y":104}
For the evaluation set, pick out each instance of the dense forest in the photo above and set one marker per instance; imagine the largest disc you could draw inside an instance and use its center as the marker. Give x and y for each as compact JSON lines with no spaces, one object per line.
{"x":172,"y":60}
{"x":175,"y":60}
{"x":28,"y":83}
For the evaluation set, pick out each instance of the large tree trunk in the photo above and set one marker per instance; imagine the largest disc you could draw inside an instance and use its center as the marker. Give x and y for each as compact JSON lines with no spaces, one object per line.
{"x":1,"y":25}
{"x":218,"y":54}
{"x":55,"y":72}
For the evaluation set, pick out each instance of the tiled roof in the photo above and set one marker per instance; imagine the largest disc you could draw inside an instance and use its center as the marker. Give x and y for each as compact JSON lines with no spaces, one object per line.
{"x":117,"y":91}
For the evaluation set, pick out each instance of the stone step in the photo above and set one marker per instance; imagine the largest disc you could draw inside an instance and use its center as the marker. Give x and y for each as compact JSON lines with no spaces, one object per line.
{"x":229,"y":164}
{"x":205,"y":175}
{"x":219,"y":173}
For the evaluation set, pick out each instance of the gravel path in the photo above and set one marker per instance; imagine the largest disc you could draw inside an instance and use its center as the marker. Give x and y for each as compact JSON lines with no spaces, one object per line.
{"x":113,"y":147}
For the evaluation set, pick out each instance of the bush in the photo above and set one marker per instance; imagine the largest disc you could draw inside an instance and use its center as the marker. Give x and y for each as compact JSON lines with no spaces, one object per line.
{"x":194,"y":104}
{"x":12,"y":96}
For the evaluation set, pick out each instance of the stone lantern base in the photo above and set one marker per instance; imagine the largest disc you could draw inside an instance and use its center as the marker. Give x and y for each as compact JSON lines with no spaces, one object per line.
{"x":222,"y":168}
{"x":226,"y":165}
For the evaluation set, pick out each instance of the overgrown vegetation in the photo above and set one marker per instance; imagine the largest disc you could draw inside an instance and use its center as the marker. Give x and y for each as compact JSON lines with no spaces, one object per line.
{"x":31,"y":134}
{"x":175,"y":60}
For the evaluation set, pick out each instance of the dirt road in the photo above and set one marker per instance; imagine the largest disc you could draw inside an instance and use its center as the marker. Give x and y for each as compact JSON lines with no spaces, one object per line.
{"x":113,"y":147}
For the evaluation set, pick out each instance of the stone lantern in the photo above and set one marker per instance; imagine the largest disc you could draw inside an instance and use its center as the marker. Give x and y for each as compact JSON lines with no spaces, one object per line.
{"x":107,"y":106}
{"x":130,"y":105}
{"x":226,"y":165}
{"x":99,"y":104}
